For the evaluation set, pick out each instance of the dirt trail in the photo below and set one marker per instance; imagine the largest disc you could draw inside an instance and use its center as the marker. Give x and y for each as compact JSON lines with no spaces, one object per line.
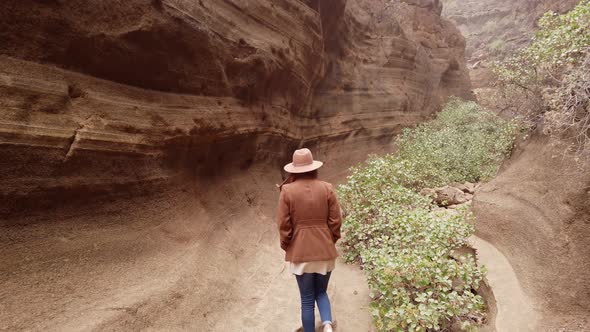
{"x":195,"y":257}
{"x":514,"y":310}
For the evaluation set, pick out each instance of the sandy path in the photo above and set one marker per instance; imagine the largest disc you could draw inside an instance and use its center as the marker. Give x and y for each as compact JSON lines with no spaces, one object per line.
{"x":515,"y":311}
{"x":180,"y":261}
{"x":278,"y":307}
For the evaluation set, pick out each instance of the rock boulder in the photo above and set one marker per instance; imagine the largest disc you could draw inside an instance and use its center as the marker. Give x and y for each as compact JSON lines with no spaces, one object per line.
{"x":448,"y":195}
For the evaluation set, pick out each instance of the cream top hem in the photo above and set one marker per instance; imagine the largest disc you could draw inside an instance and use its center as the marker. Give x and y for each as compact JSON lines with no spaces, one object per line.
{"x":321,"y":267}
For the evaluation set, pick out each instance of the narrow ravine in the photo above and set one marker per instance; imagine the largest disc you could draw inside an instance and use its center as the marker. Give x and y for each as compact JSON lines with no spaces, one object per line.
{"x":140,"y":144}
{"x":141,"y":141}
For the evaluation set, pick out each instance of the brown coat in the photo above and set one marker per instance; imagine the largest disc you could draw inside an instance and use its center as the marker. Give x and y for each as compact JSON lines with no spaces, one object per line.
{"x":309,"y":221}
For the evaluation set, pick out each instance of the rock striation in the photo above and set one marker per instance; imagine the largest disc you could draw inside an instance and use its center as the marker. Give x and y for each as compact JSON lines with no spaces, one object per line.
{"x":120,"y":95}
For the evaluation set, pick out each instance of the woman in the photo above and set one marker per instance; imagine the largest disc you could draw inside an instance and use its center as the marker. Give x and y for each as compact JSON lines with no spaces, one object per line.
{"x":309,"y":225}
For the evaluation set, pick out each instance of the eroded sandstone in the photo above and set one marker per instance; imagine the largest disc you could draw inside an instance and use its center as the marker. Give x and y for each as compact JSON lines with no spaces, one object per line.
{"x":106,"y":95}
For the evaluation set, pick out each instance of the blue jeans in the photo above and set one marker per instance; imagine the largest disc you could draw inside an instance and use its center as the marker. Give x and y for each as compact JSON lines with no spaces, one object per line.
{"x":312,"y":287}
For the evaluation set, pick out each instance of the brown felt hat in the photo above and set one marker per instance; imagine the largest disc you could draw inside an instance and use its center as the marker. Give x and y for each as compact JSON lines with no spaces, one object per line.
{"x":302,"y":162}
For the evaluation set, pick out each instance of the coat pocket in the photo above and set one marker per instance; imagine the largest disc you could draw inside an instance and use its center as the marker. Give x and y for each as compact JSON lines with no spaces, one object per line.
{"x":313,"y":243}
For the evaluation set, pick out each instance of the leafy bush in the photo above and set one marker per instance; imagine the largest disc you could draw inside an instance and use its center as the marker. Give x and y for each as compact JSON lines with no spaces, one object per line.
{"x":561,"y":40}
{"x":464,"y":143}
{"x":402,"y":240}
{"x":551,"y":76}
{"x":569,"y":108}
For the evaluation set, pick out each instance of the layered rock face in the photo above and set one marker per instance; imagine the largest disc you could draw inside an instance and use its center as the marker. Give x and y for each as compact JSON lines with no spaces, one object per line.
{"x":105,"y":96}
{"x":494,"y":29}
{"x":387,"y":65}
{"x":140,"y":141}
{"x":99,"y":97}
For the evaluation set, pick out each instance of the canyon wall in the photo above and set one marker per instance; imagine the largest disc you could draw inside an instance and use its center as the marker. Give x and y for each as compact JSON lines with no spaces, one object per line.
{"x":109,"y":96}
{"x":102,"y":97}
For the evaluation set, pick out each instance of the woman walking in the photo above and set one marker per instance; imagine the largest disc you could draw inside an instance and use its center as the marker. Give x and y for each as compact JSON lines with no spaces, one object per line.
{"x":309,"y":225}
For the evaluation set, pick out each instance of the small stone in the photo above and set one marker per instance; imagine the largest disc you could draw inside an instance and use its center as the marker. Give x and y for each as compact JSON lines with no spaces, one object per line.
{"x":448,"y":195}
{"x":466,"y":187}
{"x":428,"y":192}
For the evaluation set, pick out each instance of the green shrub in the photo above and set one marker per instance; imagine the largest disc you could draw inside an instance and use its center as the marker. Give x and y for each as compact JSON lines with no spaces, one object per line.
{"x":550,"y":76}
{"x":405,"y":249}
{"x":464,"y":143}
{"x":403,"y":242}
{"x":562,"y":40}
{"x":569,"y":110}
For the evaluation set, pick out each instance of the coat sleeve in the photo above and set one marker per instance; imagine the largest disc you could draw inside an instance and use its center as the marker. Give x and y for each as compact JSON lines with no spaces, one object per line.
{"x":284,"y":220}
{"x":334,"y":216}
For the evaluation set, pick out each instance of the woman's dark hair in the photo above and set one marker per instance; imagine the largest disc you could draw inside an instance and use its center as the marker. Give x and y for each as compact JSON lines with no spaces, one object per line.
{"x":307,"y":175}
